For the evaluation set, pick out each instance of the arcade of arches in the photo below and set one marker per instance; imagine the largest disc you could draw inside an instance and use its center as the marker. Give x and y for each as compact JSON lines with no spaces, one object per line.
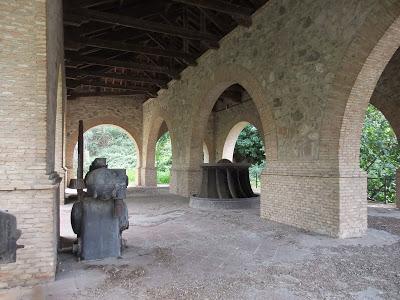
{"x":303,"y":73}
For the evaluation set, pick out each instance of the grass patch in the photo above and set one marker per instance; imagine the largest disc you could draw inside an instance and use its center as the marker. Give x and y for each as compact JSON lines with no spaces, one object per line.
{"x":163,"y":177}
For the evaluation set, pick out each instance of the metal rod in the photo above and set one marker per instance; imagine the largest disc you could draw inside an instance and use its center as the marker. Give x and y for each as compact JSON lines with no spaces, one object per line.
{"x":80,"y":160}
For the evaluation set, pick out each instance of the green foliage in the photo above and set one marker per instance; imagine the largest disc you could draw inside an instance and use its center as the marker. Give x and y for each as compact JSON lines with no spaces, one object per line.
{"x":163,"y":158}
{"x":112,"y":143}
{"x":250,"y":148}
{"x":131,"y":173}
{"x":163,"y":177}
{"x":379,"y":155}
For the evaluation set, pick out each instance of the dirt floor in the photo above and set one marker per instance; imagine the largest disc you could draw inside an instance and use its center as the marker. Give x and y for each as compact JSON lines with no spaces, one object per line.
{"x":175,"y":252}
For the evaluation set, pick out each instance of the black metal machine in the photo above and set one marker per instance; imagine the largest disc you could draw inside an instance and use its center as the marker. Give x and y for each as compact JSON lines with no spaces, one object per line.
{"x":225,"y":185}
{"x":100,"y":215}
{"x":9,"y":234}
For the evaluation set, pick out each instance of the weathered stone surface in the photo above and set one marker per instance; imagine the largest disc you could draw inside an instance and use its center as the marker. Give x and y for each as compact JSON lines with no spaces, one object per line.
{"x":300,"y":79}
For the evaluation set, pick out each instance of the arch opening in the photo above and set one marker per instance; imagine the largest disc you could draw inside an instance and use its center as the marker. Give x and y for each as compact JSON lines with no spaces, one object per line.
{"x":244,"y":144}
{"x":115,"y":144}
{"x":379,"y":156}
{"x":163,"y":158}
{"x":374,"y":73}
{"x":232,"y":131}
{"x":206,"y":153}
{"x":249,"y":147}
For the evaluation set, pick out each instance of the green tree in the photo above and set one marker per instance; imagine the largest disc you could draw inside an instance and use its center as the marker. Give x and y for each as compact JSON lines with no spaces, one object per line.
{"x":250,"y":148}
{"x":164,"y":158}
{"x":112,"y":143}
{"x":379,"y":155}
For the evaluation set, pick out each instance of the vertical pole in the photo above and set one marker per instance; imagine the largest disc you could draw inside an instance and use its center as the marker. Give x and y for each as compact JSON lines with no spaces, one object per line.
{"x":80,"y":161}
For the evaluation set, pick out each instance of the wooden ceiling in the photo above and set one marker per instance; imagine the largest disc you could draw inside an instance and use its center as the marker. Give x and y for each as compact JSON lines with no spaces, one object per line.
{"x":135,"y":47}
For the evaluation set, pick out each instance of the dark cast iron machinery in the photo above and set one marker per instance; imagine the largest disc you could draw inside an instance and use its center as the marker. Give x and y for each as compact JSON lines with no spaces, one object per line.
{"x":100,"y":215}
{"x":9,"y":234}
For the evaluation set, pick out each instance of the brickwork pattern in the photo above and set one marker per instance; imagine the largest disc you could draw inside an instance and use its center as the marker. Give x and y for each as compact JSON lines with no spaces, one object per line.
{"x":27,"y":129}
{"x":123,"y":112}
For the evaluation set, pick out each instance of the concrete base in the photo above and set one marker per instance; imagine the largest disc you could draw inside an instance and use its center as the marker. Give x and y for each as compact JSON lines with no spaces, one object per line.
{"x":216,"y":203}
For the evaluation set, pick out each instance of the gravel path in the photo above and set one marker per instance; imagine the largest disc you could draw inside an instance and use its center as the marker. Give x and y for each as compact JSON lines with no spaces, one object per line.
{"x":175,"y":252}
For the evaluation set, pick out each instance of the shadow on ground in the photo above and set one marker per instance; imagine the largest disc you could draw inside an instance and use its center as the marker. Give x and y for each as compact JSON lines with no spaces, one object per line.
{"x":175,"y":252}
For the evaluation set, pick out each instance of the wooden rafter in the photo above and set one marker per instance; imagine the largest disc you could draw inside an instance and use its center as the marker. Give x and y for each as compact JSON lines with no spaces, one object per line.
{"x":76,"y":60}
{"x":121,"y":20}
{"x":132,"y":47}
{"x":117,"y":76}
{"x":220,"y":6}
{"x":118,"y":46}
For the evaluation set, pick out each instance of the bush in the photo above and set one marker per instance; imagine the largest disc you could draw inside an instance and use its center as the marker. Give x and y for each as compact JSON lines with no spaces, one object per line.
{"x":131,"y":176}
{"x":379,"y":156}
{"x":163,"y":177}
{"x":110,"y":142}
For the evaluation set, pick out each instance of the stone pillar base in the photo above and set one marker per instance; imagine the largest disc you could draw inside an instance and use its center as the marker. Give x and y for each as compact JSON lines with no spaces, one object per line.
{"x":320,"y":202}
{"x":184,"y":181}
{"x":148,"y":176}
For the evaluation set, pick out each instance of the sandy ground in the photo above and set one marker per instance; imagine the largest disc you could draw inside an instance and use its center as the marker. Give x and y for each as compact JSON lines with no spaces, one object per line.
{"x":175,"y":252}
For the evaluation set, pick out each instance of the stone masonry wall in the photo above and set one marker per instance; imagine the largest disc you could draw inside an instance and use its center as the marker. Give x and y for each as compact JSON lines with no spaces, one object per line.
{"x":225,"y":120}
{"x":297,"y":59}
{"x":28,"y":178}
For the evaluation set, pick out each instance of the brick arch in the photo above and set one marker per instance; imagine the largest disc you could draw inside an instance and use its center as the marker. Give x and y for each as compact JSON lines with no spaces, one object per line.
{"x":355,"y":82}
{"x":90,"y":123}
{"x":224,"y":77}
{"x":206,"y":153}
{"x":150,"y":141}
{"x":231,"y":138}
{"x":386,"y":95}
{"x":340,"y":135}
{"x":158,"y":125}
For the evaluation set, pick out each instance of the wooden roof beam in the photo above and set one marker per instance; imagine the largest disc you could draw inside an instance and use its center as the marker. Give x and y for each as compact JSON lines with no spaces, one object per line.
{"x":118,"y":46}
{"x":236,"y":11}
{"x":141,"y":24}
{"x":74,"y":95}
{"x":88,"y":3}
{"x":148,"y":91}
{"x":77,"y":59}
{"x":145,"y":80}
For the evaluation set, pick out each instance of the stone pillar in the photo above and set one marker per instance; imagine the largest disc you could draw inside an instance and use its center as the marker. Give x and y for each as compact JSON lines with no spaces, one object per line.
{"x":138,"y":178}
{"x":398,"y":188}
{"x":63,"y":184}
{"x":69,"y":174}
{"x":185,"y":181}
{"x":313,"y":196}
{"x":148,"y":176}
